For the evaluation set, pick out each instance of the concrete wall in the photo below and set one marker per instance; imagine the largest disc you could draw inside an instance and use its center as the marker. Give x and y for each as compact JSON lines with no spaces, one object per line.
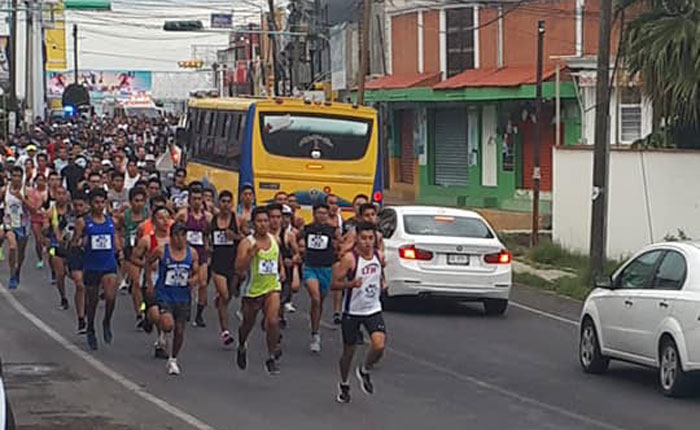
{"x":652,"y":194}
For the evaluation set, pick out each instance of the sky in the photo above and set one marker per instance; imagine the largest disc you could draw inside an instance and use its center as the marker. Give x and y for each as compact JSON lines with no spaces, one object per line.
{"x":131,"y":35}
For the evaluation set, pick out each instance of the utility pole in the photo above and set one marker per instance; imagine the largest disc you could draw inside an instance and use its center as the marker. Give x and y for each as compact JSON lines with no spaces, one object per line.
{"x":13,"y":58}
{"x":38,"y":62}
{"x":536,"y":173}
{"x":75,"y":52}
{"x":364,"y":51}
{"x":601,"y":156}
{"x":272,"y":23}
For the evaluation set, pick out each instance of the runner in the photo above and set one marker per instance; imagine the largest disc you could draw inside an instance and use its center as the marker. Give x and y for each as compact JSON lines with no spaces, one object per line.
{"x":158,"y":234}
{"x":198,"y":222}
{"x":225,"y":238}
{"x":289,"y":251}
{"x":117,"y":195}
{"x":127,"y":225}
{"x":179,"y":192}
{"x":320,"y":239}
{"x":17,"y":211}
{"x":76,"y":255}
{"x":39,"y":197}
{"x":336,"y":220}
{"x":359,"y":275}
{"x":99,"y":265}
{"x":57,"y":226}
{"x":245,"y":208}
{"x":177,"y":272}
{"x":259,"y":261}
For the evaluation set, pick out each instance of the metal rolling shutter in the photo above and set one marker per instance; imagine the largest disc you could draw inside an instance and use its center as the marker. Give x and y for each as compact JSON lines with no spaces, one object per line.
{"x":451,"y":149}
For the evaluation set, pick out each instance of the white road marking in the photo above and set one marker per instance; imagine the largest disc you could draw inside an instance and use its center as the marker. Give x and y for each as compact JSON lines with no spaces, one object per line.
{"x":504,"y":391}
{"x":544,"y":314}
{"x":101,"y":367}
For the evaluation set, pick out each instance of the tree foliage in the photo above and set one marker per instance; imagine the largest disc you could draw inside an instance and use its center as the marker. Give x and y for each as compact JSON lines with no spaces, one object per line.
{"x":662,"y":45}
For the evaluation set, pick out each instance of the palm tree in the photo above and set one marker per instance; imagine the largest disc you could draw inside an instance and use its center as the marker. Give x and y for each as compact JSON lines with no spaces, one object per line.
{"x":662,"y":46}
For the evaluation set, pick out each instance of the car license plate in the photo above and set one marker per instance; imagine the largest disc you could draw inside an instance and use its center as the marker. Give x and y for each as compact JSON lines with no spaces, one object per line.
{"x":458,"y":259}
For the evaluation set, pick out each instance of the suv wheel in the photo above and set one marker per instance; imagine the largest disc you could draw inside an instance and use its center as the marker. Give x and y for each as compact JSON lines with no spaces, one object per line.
{"x":495,"y":306}
{"x":590,"y":357}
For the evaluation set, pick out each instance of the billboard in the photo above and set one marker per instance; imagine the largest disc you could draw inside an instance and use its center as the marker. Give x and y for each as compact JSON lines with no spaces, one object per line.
{"x":4,"y":63}
{"x":101,"y":83}
{"x":55,"y":36}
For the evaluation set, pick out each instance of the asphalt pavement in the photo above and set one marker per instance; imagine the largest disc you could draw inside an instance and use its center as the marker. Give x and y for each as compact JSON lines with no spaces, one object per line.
{"x":447,"y":366}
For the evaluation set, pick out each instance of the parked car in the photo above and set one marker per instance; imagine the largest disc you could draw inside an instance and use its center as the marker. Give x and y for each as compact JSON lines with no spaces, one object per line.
{"x":445,"y":252}
{"x":647,"y":313}
{"x":7,"y":420}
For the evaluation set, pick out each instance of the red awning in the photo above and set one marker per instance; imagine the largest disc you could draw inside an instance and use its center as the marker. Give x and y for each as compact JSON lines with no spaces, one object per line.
{"x":392,"y":82}
{"x":494,"y":77}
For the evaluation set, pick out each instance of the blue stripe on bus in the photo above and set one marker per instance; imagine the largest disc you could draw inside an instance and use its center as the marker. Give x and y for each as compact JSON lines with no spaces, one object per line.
{"x":246,"y":166}
{"x":379,"y":174}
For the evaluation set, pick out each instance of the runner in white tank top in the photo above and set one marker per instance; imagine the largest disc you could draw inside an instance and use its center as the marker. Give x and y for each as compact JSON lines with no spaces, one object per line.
{"x":359,"y":275}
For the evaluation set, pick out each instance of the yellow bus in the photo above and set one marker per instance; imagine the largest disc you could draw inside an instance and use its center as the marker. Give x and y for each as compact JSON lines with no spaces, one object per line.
{"x":297,"y":146}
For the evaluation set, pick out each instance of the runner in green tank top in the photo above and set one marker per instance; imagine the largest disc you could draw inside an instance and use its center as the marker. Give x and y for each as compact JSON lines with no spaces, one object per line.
{"x":259,"y":262}
{"x":127,"y":231}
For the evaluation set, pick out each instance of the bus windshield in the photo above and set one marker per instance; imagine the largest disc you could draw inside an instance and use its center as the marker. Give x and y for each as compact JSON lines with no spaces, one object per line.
{"x":315,"y":136}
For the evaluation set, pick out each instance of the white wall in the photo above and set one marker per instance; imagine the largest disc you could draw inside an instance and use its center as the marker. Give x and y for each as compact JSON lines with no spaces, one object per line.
{"x":652,"y":194}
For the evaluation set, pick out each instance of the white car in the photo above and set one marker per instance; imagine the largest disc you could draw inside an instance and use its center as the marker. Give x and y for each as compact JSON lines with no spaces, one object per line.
{"x":7,"y":421}
{"x":648,"y":313}
{"x":445,"y":252}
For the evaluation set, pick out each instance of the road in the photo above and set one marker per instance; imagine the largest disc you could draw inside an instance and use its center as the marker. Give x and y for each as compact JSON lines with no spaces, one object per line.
{"x":447,"y":365}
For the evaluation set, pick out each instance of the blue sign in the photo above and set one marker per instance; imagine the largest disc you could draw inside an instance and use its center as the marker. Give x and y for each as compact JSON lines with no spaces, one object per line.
{"x":221,"y":20}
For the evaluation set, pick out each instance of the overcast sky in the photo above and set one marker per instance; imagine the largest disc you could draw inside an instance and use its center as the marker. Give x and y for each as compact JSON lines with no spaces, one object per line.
{"x":131,"y":35}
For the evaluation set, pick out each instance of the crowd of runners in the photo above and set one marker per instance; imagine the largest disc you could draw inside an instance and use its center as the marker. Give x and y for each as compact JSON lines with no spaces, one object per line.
{"x":102,"y":215}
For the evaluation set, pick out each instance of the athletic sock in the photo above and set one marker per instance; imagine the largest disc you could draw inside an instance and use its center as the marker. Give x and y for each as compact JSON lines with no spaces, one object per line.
{"x":169,"y":344}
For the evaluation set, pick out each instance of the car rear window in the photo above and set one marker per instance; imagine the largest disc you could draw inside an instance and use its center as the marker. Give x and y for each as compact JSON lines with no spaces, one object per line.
{"x":441,"y":225}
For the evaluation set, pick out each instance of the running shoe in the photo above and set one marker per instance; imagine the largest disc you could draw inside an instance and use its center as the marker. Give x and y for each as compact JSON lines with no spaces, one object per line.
{"x":159,"y":349}
{"x":14,"y":283}
{"x":365,"y":380}
{"x":239,"y":315}
{"x":124,"y":287}
{"x":64,"y":304}
{"x":242,"y":357}
{"x":39,"y":264}
{"x":199,"y":322}
{"x":92,"y":340}
{"x":172,"y":367}
{"x":226,"y":338}
{"x":315,"y":345}
{"x":272,"y":367}
{"x":289,"y":307}
{"x":147,"y":325}
{"x":82,"y":326}
{"x":139,"y":322}
{"x":343,"y":393}
{"x":107,"y":333}
{"x":337,"y":318}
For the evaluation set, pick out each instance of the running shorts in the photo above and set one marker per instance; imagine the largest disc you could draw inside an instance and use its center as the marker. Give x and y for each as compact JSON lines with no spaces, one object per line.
{"x":352,"y":327}
{"x":181,"y":312}
{"x":93,"y":278}
{"x":322,"y":274}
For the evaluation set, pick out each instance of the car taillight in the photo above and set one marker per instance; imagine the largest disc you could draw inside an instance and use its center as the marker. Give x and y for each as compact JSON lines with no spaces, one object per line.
{"x":502,"y":257}
{"x":410,"y":252}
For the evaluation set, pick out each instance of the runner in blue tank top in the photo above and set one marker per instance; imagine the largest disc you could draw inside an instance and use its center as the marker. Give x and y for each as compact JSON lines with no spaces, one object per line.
{"x":95,"y":232}
{"x":178,"y":266}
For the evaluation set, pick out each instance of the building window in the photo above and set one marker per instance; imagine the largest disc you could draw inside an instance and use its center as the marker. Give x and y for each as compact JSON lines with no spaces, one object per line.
{"x":460,"y":40}
{"x":630,"y":117}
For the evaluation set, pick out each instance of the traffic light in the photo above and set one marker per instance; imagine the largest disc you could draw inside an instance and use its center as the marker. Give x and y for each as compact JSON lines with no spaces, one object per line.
{"x":191,"y":64}
{"x":193,"y":25}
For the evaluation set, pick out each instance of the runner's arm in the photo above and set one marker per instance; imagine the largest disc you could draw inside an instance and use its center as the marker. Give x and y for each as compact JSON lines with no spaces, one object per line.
{"x":79,"y":230}
{"x":153,"y":256}
{"x":194,"y":273}
{"x":139,"y":252}
{"x":340,"y":271}
{"x":244,"y":256}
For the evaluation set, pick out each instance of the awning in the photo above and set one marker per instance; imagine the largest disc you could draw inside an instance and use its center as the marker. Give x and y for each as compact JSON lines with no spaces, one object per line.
{"x":392,"y":82}
{"x":495,"y":77}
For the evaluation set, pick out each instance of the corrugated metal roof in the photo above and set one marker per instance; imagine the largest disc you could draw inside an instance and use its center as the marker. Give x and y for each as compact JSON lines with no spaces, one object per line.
{"x":495,"y":77}
{"x":392,"y":82}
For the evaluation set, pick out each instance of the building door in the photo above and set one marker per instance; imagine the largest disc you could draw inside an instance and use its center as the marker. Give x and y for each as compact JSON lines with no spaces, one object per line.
{"x":451,"y":147}
{"x":527,"y":129}
{"x":407,"y":159}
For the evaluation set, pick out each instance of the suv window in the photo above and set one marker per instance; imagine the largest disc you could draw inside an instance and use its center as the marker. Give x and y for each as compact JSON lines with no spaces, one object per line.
{"x":671,"y":272}
{"x":638,"y":273}
{"x":387,"y":222}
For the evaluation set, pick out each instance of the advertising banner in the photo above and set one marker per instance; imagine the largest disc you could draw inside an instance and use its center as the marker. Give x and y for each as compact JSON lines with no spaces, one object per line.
{"x":101,"y":83}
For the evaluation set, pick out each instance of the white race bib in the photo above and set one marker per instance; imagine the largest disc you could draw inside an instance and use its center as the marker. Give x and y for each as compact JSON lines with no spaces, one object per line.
{"x":101,"y":242}
{"x":195,"y":238}
{"x":267,"y":267}
{"x":15,"y":216}
{"x":318,"y":242}
{"x":177,"y":277}
{"x":221,"y":238}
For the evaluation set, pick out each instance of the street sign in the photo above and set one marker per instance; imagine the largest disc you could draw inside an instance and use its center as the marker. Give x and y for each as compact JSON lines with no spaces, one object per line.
{"x":221,"y":20}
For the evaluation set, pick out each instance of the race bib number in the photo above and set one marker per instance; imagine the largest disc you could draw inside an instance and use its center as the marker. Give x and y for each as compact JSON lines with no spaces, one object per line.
{"x":101,"y":242}
{"x":371,"y":291}
{"x":177,"y":277}
{"x":221,"y":238}
{"x":15,"y":216}
{"x":267,"y":267}
{"x":195,"y":238}
{"x":318,"y":242}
